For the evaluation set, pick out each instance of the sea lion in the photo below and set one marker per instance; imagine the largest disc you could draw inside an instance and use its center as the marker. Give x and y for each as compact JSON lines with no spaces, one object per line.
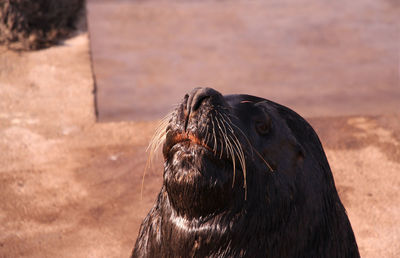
{"x":243,"y":177}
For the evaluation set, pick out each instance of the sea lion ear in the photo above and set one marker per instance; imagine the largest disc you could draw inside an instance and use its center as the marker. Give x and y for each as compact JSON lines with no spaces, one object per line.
{"x":301,"y":154}
{"x":265,"y":106}
{"x":298,"y":149}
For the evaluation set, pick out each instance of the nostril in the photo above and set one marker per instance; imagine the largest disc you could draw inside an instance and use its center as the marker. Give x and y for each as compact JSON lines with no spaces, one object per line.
{"x":191,"y":96}
{"x":197,"y":97}
{"x":197,"y":102}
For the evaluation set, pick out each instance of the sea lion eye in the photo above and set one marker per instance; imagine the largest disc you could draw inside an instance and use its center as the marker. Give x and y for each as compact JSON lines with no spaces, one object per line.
{"x":262,"y":127}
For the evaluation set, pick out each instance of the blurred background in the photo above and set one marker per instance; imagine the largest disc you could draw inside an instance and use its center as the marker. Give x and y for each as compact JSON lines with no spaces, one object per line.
{"x":321,"y":58}
{"x":72,"y":187}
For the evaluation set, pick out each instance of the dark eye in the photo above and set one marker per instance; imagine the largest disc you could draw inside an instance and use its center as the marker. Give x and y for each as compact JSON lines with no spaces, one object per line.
{"x":262,"y":127}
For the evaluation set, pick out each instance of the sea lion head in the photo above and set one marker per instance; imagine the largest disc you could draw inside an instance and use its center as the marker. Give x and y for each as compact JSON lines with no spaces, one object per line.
{"x":243,"y":177}
{"x":221,"y":151}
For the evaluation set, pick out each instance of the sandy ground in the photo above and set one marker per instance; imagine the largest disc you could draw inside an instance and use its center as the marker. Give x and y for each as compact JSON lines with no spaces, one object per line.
{"x":71,"y":187}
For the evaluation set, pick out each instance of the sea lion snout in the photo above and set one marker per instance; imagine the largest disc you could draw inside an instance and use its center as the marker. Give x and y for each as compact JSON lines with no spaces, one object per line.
{"x":199,"y":95}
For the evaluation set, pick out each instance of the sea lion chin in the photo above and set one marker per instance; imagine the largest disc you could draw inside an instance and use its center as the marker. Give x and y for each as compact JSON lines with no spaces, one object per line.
{"x":243,"y":177}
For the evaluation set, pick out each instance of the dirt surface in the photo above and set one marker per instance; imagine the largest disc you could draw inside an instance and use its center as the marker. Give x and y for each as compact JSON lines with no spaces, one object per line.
{"x":71,"y":187}
{"x":317,"y":57}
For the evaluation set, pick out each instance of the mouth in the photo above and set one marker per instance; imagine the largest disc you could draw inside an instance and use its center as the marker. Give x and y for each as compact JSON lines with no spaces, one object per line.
{"x":183,"y":138}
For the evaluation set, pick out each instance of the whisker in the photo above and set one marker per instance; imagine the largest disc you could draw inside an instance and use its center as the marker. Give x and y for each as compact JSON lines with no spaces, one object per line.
{"x":239,"y":152}
{"x":252,"y":147}
{"x":266,"y":163}
{"x":223,"y":122}
{"x":233,"y":116}
{"x":233,"y":157}
{"x":205,"y":141}
{"x":244,"y":135}
{"x":207,"y":138}
{"x":157,"y":140}
{"x":232,"y":149}
{"x":222,"y":134}
{"x":215,"y":138}
{"x":229,"y":148}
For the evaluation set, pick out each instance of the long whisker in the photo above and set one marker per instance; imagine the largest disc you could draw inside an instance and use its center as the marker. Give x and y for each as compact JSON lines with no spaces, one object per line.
{"x":205,"y":140}
{"x":229,"y":148}
{"x":233,"y":157}
{"x":266,"y":163}
{"x":248,"y":141}
{"x":155,"y":143}
{"x":252,"y":147}
{"x":223,"y":136}
{"x":232,"y":149}
{"x":158,"y":137}
{"x":224,"y":129}
{"x":239,"y":152}
{"x":237,"y":148}
{"x":215,"y":137}
{"x":240,"y":130}
{"x":236,"y":140}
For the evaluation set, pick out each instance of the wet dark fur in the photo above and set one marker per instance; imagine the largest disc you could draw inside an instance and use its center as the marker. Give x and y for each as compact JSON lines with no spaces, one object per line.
{"x":288,"y":206}
{"x":35,"y":24}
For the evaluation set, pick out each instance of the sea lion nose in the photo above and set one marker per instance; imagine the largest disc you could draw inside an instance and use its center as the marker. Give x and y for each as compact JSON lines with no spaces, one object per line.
{"x":197,"y":96}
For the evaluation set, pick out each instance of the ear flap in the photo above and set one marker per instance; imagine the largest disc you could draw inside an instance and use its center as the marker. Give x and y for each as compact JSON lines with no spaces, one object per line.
{"x":262,"y":104}
{"x":304,"y":136}
{"x":300,"y":152}
{"x":264,"y":107}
